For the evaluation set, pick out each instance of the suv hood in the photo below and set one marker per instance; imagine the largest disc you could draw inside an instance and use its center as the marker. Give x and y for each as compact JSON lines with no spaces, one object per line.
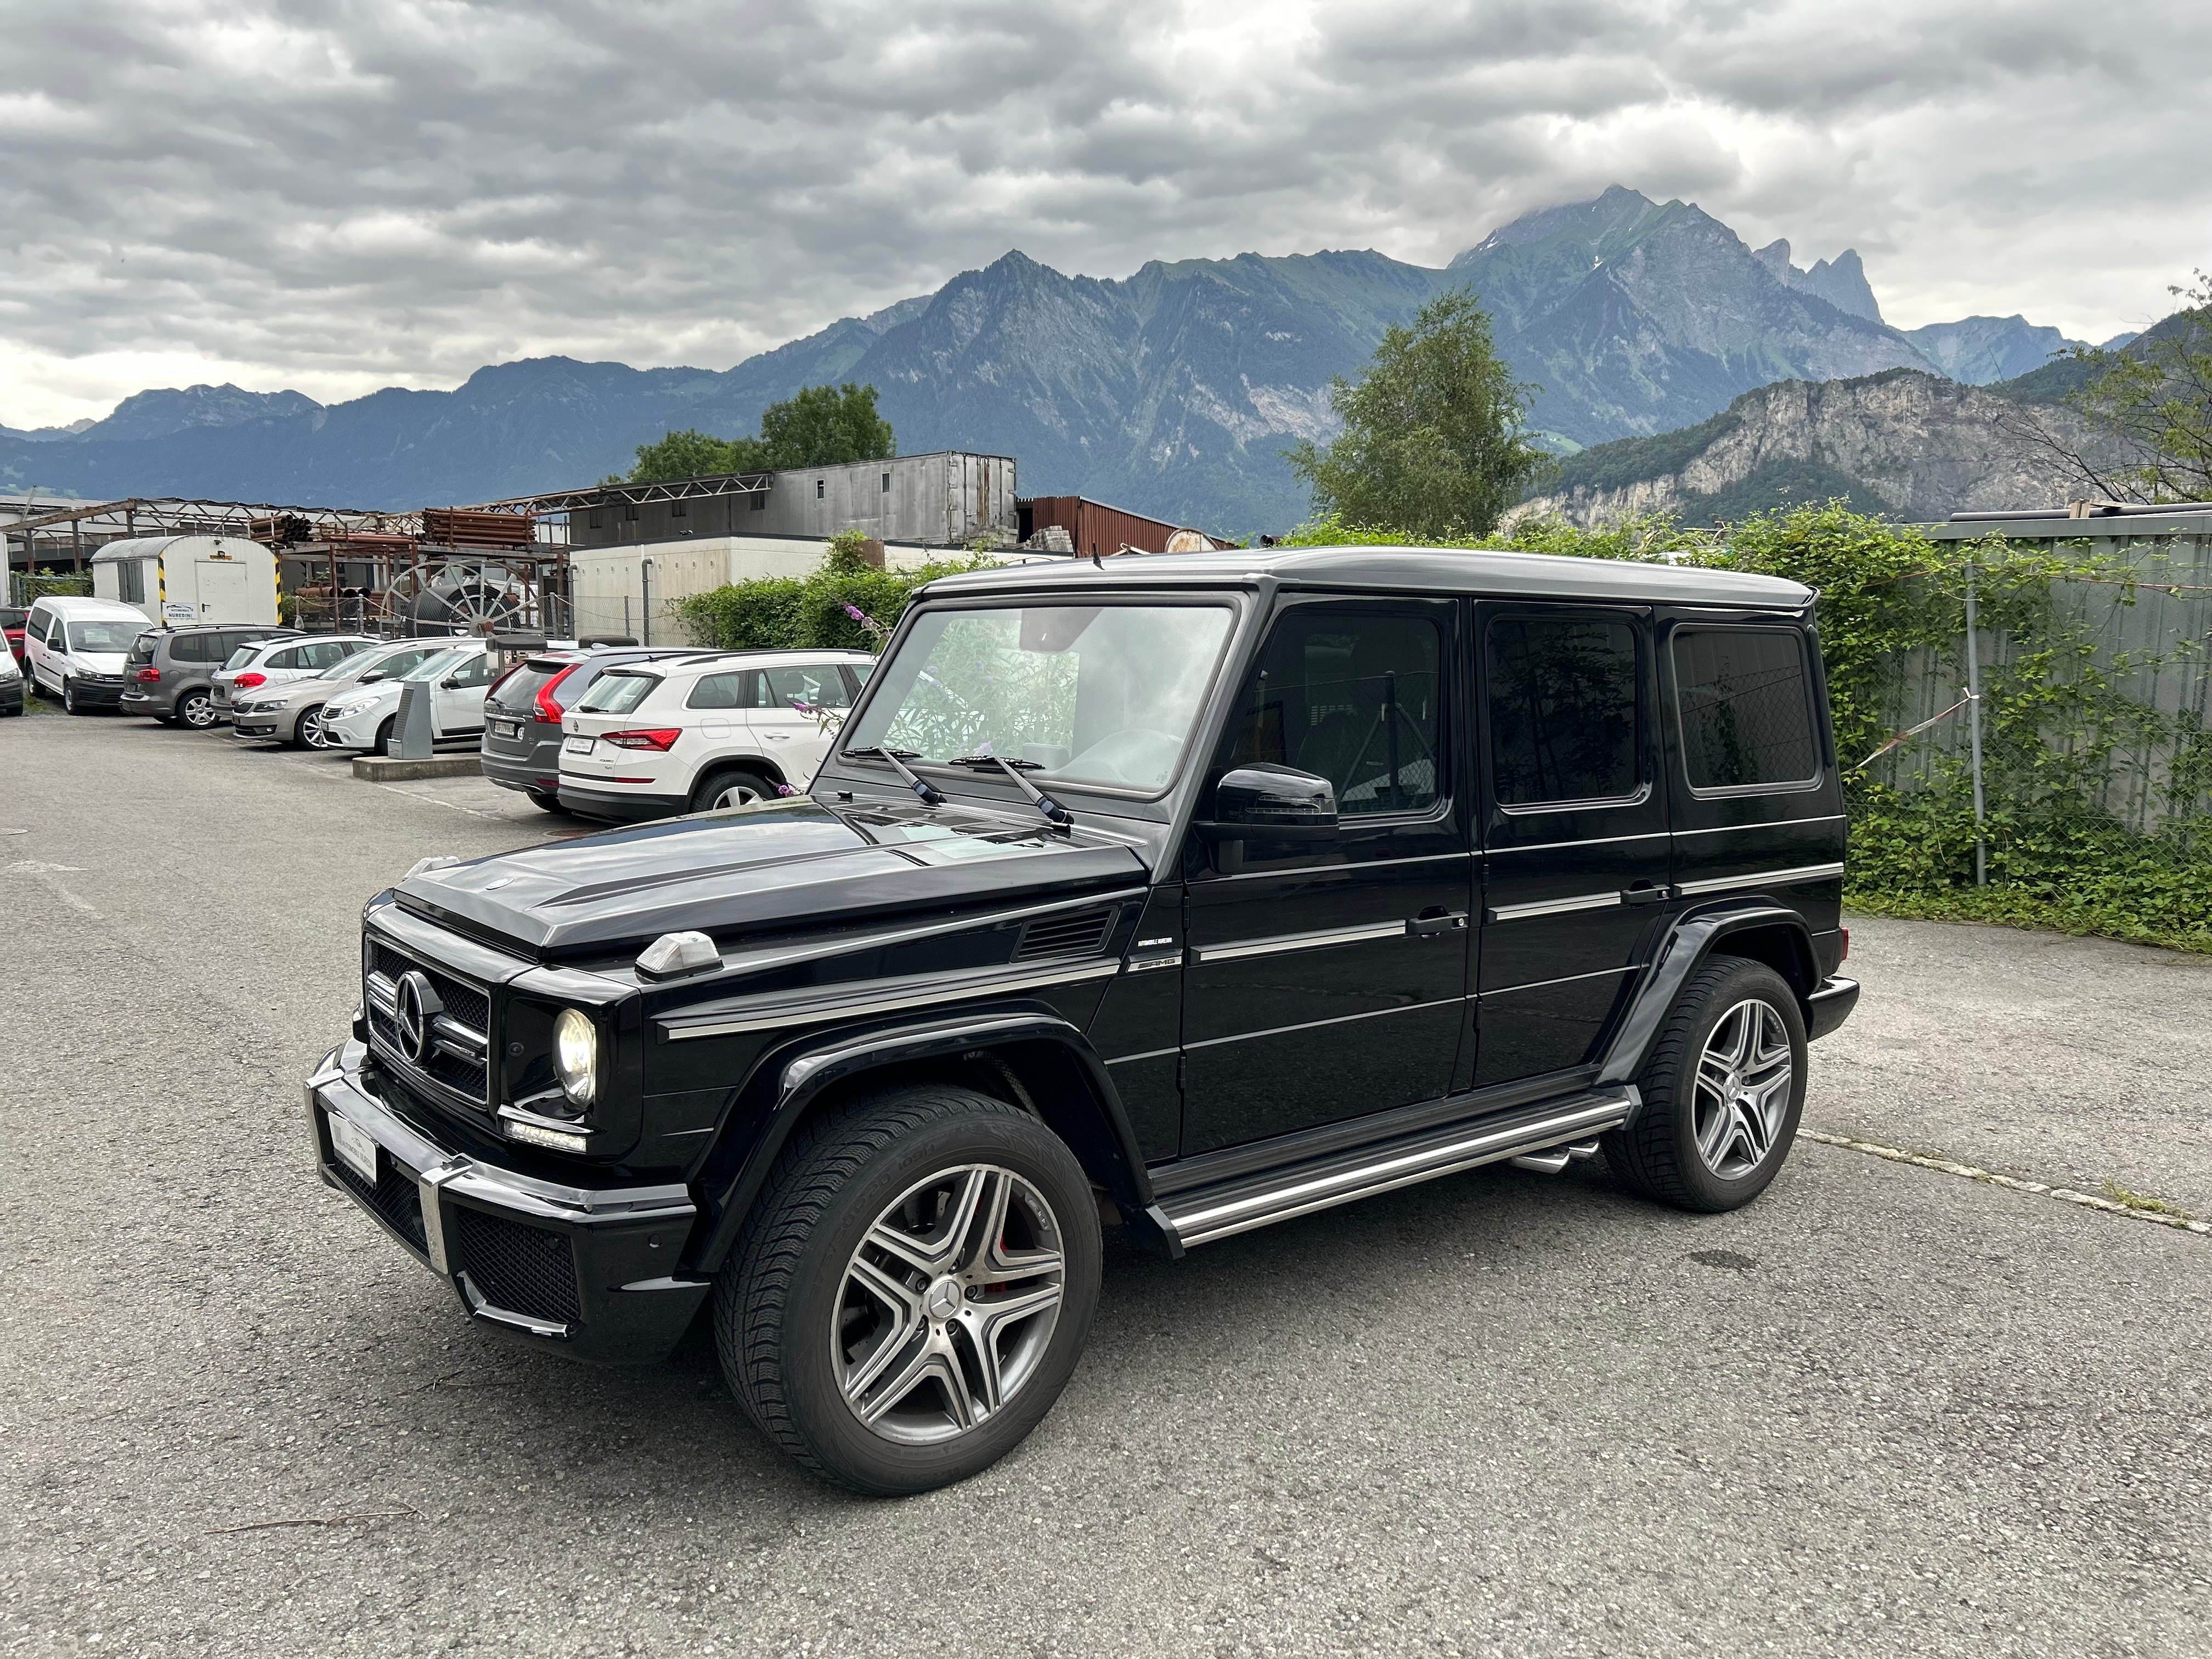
{"x":781,"y":868}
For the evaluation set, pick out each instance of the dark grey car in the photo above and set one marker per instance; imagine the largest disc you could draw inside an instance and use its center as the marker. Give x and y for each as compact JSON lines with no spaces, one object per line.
{"x":171,"y":672}
{"x":523,"y":710}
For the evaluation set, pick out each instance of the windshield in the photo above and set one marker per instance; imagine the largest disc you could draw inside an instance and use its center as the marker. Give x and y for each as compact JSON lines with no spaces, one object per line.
{"x":115,"y":636}
{"x":1091,"y":694}
{"x":437,"y":667}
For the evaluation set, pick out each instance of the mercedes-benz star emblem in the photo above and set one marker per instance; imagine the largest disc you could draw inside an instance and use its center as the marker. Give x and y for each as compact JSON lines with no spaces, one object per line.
{"x":416,"y":1016}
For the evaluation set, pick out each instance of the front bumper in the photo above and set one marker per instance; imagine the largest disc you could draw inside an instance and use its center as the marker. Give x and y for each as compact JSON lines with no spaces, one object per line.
{"x":357,"y":730}
{"x":1831,"y":1005}
{"x":586,"y":1272}
{"x":97,"y":694}
{"x":11,"y":693}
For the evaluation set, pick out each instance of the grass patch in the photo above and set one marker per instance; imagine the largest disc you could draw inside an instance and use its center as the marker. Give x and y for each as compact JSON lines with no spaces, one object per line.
{"x":2135,"y":1200}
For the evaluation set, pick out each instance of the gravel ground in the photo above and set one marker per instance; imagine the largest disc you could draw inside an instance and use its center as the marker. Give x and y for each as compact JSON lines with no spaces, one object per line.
{"x":1882,"y":1411}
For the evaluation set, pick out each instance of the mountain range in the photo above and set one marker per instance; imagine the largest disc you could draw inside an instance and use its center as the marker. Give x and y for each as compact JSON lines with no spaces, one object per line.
{"x":1172,"y":392}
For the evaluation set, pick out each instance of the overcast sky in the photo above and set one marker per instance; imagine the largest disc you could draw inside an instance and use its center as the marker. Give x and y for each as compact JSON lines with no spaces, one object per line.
{"x":337,"y":196}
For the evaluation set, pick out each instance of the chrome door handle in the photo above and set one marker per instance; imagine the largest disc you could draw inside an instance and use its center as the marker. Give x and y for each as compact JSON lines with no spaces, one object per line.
{"x":1642,"y":893}
{"x":1427,"y":926}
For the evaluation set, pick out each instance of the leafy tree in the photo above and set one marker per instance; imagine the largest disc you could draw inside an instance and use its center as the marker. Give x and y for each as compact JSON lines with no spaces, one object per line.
{"x":2154,"y":397}
{"x":818,"y":426}
{"x":2138,"y":426}
{"x":1435,"y":442}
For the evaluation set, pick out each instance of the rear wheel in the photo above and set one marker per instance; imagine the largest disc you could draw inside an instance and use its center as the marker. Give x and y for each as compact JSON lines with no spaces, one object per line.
{"x":731,"y":786}
{"x":912,"y":1288}
{"x":1723,"y":1092}
{"x":196,"y":709}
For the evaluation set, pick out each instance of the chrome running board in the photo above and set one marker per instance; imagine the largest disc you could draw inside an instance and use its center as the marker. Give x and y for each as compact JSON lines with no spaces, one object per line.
{"x":1236,"y":1207}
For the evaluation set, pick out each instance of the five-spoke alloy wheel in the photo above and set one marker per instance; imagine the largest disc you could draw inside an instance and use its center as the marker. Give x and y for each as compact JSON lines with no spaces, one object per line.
{"x":912,"y":1287}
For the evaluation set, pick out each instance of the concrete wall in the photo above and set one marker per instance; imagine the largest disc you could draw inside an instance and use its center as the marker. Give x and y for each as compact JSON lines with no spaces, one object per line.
{"x":634,"y":590}
{"x":943,"y":500}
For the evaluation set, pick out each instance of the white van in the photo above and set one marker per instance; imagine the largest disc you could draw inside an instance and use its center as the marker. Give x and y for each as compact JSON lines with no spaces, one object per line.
{"x":176,"y":581}
{"x":75,"y":648}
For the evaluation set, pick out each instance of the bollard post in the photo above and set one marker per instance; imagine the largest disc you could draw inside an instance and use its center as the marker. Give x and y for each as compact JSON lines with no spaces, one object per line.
{"x":412,"y":738}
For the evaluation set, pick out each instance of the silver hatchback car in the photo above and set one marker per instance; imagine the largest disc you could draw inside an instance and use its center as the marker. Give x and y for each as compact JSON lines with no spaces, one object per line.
{"x":292,"y":713}
{"x":277,"y":662}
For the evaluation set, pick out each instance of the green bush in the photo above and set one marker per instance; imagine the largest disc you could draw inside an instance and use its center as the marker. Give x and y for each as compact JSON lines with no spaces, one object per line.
{"x":847,"y":605}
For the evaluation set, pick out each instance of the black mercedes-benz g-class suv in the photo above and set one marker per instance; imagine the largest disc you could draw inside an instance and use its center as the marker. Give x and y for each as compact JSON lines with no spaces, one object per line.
{"x":1181,"y":893}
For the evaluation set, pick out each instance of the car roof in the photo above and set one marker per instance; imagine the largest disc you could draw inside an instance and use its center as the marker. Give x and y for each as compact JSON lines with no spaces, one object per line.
{"x":76,"y":604}
{"x":1491,"y":573}
{"x":705,"y":662}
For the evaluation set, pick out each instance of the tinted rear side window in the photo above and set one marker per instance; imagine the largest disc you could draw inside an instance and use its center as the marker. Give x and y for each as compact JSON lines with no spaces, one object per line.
{"x":1562,"y":710}
{"x":1747,"y":708}
{"x":816,"y":685}
{"x":740,"y":688}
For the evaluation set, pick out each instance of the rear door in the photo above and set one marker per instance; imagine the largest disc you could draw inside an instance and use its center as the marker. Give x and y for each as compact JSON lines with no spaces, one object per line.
{"x":1574,"y":834}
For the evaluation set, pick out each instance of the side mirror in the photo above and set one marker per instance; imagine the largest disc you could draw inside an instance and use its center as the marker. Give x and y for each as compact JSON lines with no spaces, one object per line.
{"x":453,"y":685}
{"x":1267,"y":802}
{"x":372,"y":676}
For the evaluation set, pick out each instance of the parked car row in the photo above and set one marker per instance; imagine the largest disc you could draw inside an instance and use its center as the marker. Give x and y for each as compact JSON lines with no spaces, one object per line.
{"x":612,"y":731}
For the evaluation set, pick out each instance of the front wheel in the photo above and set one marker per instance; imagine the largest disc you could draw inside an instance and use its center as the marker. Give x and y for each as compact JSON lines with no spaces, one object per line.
{"x":69,"y":697}
{"x":1723,"y":1092}
{"x":913,"y":1289}
{"x":307,"y":730}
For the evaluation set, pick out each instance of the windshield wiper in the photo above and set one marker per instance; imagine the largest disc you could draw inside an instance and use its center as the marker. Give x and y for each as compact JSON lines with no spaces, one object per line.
{"x":896,"y":759}
{"x":1043,"y":802}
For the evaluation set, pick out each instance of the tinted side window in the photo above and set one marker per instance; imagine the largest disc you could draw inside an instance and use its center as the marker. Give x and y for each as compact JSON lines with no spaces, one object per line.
{"x":292,"y":656}
{"x":617,"y":693}
{"x":1351,"y":696}
{"x":739,"y":689}
{"x":1747,"y":708}
{"x":819,"y":685}
{"x":477,"y":670}
{"x":1563,"y":714}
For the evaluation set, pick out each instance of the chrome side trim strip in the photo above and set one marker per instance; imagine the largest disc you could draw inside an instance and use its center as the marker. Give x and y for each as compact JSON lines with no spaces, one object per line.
{"x":1555,"y":906}
{"x":772,"y":1016}
{"x":1282,"y":942}
{"x":1761,"y":879}
{"x":1593,"y":840}
{"x":1343,"y":869}
{"x":1149,"y":1054}
{"x":1570,"y":979}
{"x":1490,"y":1145}
{"x":1779,"y":824}
{"x":1341,"y":1019}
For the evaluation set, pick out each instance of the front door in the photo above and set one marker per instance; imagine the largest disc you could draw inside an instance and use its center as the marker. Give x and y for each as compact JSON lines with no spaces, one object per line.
{"x":458,"y":700}
{"x":1574,"y":843}
{"x":1323,"y":980}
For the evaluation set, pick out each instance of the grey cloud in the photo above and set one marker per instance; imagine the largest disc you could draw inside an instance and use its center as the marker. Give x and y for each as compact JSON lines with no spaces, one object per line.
{"x":337,"y":193}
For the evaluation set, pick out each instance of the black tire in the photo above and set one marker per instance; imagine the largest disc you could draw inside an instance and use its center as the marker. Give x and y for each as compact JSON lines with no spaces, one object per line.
{"x":782,"y":1296}
{"x":545,"y":801}
{"x":1660,"y":1156}
{"x":69,"y":697}
{"x":386,"y":737}
{"x":196,"y":711}
{"x":728,"y":778}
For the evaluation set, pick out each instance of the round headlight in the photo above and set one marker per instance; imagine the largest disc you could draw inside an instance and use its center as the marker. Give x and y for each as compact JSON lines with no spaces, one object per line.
{"x":576,"y":1055}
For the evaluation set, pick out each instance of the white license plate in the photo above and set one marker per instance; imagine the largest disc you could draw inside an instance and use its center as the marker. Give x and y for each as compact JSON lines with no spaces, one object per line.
{"x":506,"y":728}
{"x":356,"y":1150}
{"x":578,"y":745}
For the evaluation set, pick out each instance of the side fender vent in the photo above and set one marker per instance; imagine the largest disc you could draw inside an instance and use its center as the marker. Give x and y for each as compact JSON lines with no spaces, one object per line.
{"x":1081,"y":935}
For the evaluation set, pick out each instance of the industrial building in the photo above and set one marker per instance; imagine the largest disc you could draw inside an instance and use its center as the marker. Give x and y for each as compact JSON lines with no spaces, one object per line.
{"x":948,"y":499}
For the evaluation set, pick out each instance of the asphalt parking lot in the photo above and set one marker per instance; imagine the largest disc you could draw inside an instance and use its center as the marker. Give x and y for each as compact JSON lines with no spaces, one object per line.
{"x":1884,"y":1410}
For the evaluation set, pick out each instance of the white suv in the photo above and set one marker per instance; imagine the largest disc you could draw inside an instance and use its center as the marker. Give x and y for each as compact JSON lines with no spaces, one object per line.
{"x":691,"y":734}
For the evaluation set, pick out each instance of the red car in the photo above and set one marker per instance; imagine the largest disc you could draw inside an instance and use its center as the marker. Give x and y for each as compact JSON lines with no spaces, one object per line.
{"x":11,"y":624}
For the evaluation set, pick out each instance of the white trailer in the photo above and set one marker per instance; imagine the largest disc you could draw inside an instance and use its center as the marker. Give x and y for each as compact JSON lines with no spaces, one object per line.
{"x":180,"y":579}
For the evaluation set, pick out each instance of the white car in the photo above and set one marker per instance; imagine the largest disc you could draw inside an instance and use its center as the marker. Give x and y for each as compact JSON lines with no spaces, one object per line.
{"x":369,"y":717}
{"x":693,"y":734}
{"x":75,"y":648}
{"x":293,"y":712}
{"x":274,"y":662}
